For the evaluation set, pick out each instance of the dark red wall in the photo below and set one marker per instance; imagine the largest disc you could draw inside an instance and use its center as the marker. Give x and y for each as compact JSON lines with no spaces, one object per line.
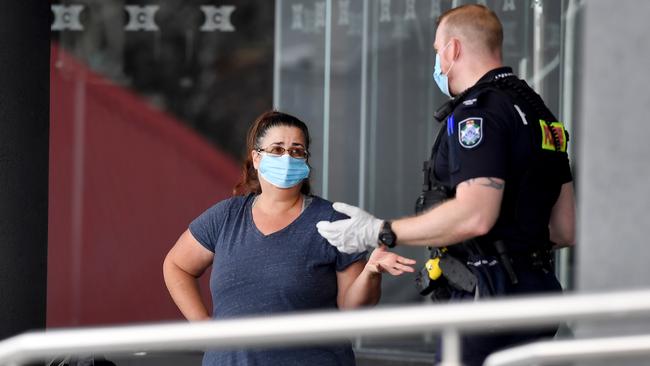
{"x":125,"y":180}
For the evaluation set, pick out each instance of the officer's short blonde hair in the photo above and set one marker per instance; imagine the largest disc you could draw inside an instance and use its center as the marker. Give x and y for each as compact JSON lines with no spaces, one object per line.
{"x":475,"y":23}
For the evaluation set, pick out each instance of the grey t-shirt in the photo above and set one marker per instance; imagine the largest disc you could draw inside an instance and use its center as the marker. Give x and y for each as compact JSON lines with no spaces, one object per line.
{"x":293,"y":269}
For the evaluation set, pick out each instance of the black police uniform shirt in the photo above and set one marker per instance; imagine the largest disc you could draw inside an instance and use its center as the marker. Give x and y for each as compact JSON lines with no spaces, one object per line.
{"x":486,"y":136}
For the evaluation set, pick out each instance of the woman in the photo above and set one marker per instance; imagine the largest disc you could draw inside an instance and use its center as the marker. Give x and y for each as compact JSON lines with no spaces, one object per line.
{"x":266,"y":254}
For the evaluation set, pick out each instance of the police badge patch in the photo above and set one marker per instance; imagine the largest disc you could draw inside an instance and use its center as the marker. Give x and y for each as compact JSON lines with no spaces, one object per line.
{"x":470,"y":132}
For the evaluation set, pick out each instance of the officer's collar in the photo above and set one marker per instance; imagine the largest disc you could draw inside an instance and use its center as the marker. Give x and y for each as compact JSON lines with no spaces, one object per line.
{"x":496,"y":74}
{"x":499,"y":73}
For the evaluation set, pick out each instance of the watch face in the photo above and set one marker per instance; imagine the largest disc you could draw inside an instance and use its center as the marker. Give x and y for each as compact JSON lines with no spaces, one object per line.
{"x":387,"y":236}
{"x":388,"y":239}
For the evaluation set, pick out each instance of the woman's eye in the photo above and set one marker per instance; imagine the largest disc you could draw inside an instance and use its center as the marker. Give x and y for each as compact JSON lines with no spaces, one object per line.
{"x":277,"y":150}
{"x":298,"y":153}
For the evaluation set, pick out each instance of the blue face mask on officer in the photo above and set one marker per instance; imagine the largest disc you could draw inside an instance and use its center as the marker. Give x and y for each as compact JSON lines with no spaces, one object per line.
{"x":442,"y":80}
{"x":283,"y":171}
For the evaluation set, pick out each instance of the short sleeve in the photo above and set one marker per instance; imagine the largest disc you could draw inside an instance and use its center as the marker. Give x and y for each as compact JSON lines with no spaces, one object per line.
{"x":477,"y":140}
{"x":565,"y":170}
{"x":206,"y":227}
{"x":344,"y":260}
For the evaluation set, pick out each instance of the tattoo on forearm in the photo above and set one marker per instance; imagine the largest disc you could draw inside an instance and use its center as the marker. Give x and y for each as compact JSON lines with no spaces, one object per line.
{"x":486,"y":182}
{"x":493,"y":183}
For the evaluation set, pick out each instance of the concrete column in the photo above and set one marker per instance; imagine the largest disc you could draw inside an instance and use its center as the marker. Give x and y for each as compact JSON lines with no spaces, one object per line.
{"x":24,"y":138}
{"x":614,"y":151}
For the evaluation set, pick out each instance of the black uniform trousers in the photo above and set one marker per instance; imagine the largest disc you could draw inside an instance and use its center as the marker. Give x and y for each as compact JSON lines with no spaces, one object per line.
{"x":476,"y":347}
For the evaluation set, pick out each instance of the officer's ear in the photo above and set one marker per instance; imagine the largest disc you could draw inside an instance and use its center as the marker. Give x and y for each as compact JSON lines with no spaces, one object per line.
{"x":455,"y":46}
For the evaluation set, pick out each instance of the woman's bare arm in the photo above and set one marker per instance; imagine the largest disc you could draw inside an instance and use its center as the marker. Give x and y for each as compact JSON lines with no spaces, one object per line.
{"x":184,"y":264}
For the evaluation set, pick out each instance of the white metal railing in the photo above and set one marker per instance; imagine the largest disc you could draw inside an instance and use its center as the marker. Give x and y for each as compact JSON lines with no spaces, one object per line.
{"x":282,"y":330}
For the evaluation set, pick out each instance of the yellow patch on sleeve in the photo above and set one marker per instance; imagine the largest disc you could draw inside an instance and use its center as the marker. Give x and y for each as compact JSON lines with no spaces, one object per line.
{"x":548,"y":143}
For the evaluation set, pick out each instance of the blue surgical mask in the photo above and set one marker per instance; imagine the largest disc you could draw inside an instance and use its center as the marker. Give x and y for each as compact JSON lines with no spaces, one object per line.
{"x":283,"y":171}
{"x":441,"y":79}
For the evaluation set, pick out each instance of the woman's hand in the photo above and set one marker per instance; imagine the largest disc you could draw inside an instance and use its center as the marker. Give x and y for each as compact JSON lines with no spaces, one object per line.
{"x":360,"y":285}
{"x":381,"y":260}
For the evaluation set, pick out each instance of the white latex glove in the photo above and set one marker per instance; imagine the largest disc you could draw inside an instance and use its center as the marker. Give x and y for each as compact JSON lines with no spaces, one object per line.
{"x":358,"y":233}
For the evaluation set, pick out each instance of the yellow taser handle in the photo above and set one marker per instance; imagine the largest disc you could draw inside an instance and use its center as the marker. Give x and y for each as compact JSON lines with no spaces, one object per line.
{"x":433,"y":268}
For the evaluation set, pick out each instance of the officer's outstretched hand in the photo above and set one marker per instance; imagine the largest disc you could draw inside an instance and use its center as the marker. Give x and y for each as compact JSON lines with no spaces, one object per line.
{"x":358,"y":233}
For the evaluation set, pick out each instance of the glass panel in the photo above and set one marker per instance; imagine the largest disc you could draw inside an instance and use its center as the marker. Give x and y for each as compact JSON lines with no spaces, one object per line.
{"x":400,"y":128}
{"x":346,"y":100}
{"x":300,"y":62}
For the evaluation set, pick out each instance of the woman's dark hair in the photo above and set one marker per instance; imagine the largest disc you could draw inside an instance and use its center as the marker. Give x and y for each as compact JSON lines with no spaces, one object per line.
{"x":249,"y":182}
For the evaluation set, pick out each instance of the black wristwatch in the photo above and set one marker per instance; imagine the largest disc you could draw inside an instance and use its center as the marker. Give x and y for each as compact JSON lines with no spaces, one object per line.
{"x":387,"y":235}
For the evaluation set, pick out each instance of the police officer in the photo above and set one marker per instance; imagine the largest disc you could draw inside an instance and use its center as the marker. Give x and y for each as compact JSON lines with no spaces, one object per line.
{"x":501,"y":157}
